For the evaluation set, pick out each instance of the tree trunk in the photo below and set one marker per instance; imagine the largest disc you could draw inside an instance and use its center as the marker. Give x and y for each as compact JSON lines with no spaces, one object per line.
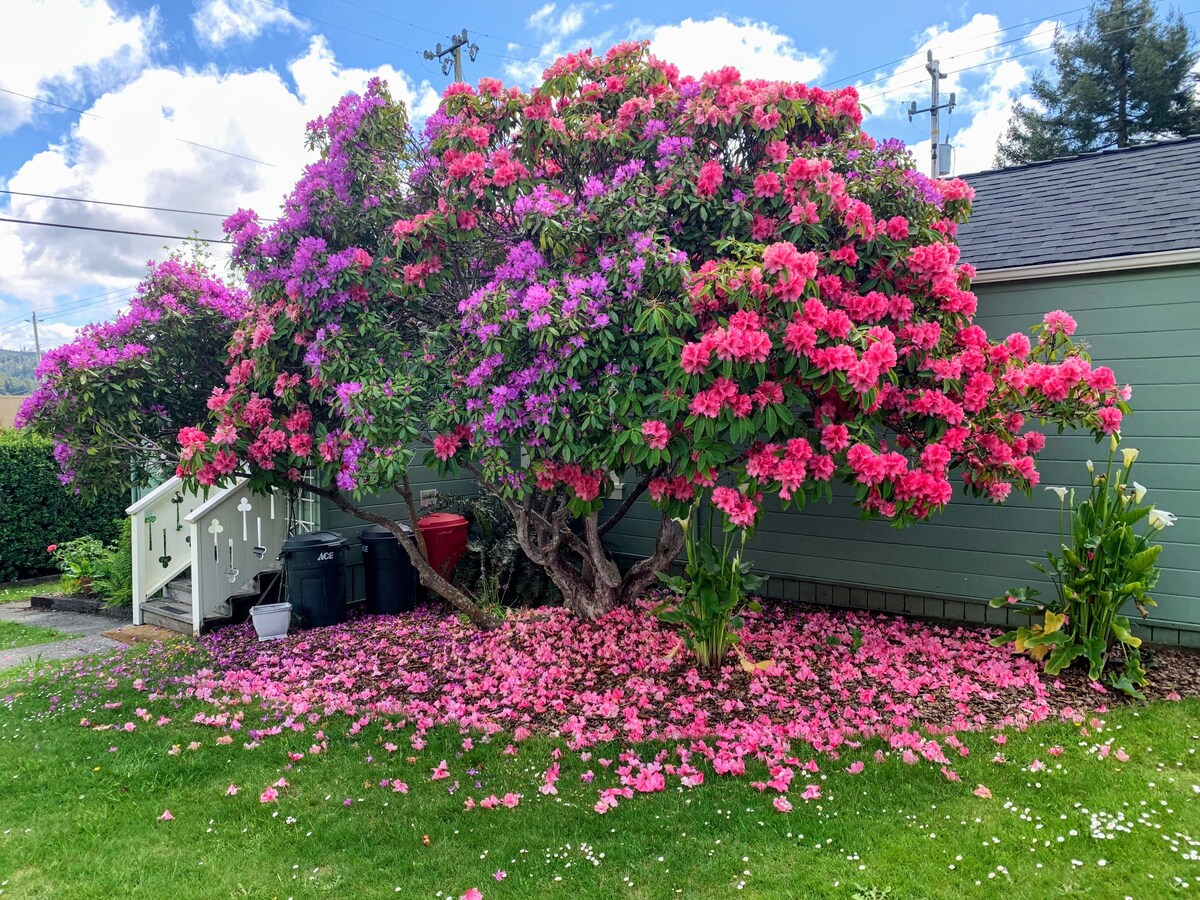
{"x":594,"y":585}
{"x":642,"y":575}
{"x":429,"y":576}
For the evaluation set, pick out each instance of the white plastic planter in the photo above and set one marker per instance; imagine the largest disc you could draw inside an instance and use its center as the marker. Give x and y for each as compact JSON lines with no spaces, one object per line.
{"x":271,"y":620}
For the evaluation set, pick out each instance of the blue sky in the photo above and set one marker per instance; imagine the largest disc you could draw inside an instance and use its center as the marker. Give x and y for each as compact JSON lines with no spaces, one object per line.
{"x":146,"y":84}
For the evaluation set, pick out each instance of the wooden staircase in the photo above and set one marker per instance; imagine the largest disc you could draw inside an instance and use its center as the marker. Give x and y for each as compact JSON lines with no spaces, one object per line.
{"x":173,"y":608}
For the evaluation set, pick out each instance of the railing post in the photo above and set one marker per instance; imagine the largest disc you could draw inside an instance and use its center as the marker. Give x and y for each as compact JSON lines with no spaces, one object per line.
{"x":139,"y":566}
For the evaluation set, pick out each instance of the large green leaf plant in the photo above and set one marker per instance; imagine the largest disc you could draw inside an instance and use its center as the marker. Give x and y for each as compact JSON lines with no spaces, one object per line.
{"x":1102,"y":566}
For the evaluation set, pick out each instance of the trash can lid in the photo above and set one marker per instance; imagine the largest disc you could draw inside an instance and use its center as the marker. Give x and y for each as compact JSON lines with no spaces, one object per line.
{"x":441,"y":521}
{"x":313,"y":541}
{"x":373,"y":533}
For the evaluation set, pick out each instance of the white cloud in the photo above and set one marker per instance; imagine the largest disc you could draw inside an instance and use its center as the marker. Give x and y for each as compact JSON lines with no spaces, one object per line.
{"x":756,"y":49}
{"x":135,"y":153}
{"x":566,"y":23}
{"x":217,"y":22}
{"x":58,"y":46}
{"x":976,"y":59}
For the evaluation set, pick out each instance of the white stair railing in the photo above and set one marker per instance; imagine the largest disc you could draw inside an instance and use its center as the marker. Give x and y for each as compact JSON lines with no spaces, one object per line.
{"x":235,"y":535}
{"x":159,"y":535}
{"x":226,"y":538}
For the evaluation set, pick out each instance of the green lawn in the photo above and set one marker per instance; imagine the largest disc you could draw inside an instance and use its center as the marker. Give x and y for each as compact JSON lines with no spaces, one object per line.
{"x":80,"y":813}
{"x":12,"y":594}
{"x":14,"y":634}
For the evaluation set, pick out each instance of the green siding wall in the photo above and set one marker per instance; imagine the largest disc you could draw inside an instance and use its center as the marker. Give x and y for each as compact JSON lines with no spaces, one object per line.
{"x":1146,"y":326}
{"x":390,"y":505}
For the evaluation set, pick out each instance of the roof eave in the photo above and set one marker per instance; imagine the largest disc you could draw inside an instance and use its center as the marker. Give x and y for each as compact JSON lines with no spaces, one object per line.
{"x":1159,"y":259}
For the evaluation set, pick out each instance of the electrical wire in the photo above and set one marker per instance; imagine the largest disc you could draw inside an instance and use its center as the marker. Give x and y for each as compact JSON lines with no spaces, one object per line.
{"x":326,"y":22}
{"x":876,"y":68}
{"x":74,"y":306}
{"x":169,"y":237}
{"x":92,"y":115}
{"x":170,"y":209}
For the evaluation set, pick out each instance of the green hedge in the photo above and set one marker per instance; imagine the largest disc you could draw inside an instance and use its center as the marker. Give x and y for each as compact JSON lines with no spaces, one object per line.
{"x":36,"y":510}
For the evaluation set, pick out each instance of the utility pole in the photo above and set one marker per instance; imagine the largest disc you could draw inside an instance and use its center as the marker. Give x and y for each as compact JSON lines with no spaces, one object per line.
{"x":452,"y":55}
{"x":37,"y":344}
{"x":934,"y":68}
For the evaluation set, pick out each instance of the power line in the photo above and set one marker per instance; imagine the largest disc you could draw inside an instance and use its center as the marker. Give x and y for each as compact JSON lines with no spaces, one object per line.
{"x":169,"y":237}
{"x":92,"y":115}
{"x":170,"y":209}
{"x":876,"y":68}
{"x":75,"y":306}
{"x":994,"y":62}
{"x":326,"y":22}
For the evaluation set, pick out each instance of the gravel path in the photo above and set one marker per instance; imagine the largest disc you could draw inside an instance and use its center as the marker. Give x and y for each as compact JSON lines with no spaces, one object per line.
{"x":86,"y":625}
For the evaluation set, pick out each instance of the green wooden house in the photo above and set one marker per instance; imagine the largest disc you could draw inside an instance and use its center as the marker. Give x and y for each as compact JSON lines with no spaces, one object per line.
{"x":1113,"y":238}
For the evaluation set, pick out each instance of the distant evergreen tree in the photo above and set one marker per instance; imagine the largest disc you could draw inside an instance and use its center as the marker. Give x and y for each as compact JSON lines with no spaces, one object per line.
{"x":1125,"y":77}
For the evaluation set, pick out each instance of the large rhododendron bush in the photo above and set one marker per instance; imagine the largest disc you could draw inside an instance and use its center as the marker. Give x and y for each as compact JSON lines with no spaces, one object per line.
{"x":725,"y":286}
{"x":114,"y":399}
{"x":719,"y":290}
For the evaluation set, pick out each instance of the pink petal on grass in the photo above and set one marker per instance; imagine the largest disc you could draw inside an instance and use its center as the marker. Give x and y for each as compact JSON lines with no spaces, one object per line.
{"x":983,"y":792}
{"x":166,"y":816}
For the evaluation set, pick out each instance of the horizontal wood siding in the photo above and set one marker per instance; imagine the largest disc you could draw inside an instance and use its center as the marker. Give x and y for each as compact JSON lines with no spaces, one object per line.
{"x":1146,"y":326}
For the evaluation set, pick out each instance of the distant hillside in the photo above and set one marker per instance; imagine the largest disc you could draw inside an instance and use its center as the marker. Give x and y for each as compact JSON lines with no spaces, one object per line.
{"x":16,"y":371}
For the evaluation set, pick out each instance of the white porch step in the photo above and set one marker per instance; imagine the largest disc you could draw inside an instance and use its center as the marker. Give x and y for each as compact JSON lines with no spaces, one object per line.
{"x":179,"y":590}
{"x":169,"y":613}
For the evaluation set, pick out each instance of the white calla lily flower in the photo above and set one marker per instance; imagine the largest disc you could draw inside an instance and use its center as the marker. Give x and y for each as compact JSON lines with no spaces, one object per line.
{"x":1061,"y":491}
{"x":1139,"y":491}
{"x":1130,"y":454}
{"x":1160,"y":519}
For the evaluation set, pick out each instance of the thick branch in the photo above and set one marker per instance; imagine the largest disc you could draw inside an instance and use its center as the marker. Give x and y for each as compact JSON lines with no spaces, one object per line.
{"x":430,"y":577}
{"x":626,"y":505}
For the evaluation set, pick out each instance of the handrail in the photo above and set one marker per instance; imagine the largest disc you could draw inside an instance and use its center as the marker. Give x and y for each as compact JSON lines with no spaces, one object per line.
{"x":212,"y":502}
{"x":169,"y":486}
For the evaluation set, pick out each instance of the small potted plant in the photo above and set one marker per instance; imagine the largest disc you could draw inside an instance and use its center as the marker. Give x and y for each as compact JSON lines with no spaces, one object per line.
{"x":80,"y":561}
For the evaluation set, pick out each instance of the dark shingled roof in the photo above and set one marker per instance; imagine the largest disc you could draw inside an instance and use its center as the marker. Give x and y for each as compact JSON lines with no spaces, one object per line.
{"x":1143,"y":199}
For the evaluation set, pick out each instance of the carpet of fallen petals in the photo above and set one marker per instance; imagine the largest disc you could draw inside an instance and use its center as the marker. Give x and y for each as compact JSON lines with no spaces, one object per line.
{"x":834,"y":679}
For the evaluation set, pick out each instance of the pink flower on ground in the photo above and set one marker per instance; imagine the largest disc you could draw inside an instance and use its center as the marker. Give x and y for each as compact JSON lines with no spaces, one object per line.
{"x":811,"y":792}
{"x":855,"y":767}
{"x":472,"y":894}
{"x":442,"y":771}
{"x":166,"y":816}
{"x":231,"y":791}
{"x":983,"y":792}
{"x":399,"y":787}
{"x":1121,"y":755}
{"x":268,"y":796}
{"x":1036,"y":766}
{"x":500,"y":875}
{"x":782,"y":805}
{"x":511,"y":800}
{"x":1055,"y":750}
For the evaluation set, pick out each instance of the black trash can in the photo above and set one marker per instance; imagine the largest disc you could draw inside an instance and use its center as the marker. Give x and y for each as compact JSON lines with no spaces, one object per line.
{"x":315,"y":571}
{"x":391,"y":578}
